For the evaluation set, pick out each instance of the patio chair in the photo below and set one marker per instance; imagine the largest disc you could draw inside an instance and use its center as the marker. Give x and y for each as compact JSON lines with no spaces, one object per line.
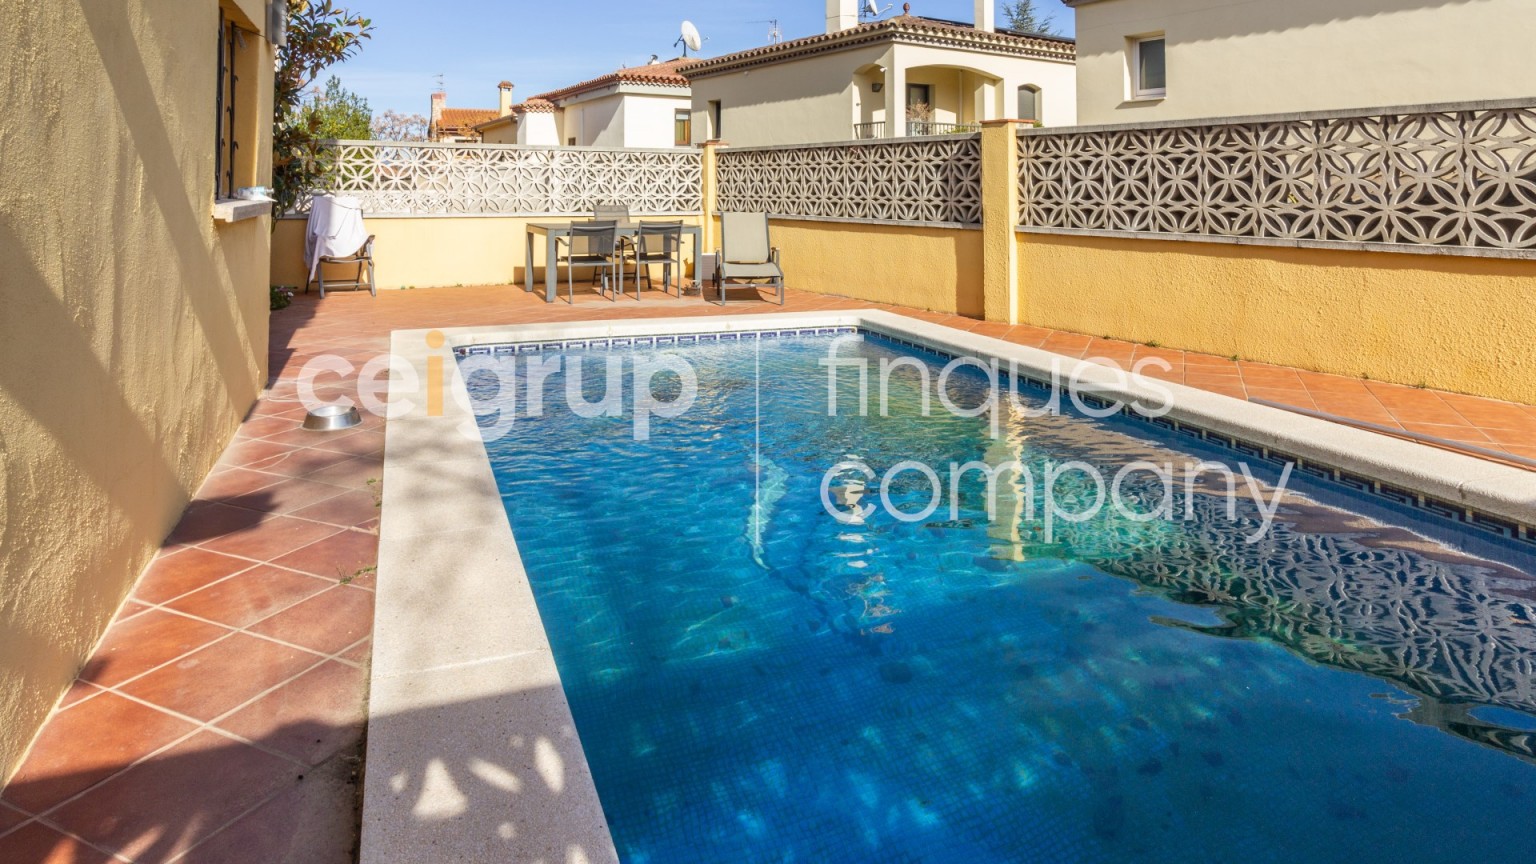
{"x":745,"y":253}
{"x":617,"y":213}
{"x":363,"y":258}
{"x":593,"y":245}
{"x":659,"y":243}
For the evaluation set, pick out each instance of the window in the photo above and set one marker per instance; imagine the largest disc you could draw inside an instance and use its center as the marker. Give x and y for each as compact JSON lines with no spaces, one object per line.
{"x":682,"y":127}
{"x":1030,"y":104}
{"x":1148,"y":68}
{"x":714,"y":119}
{"x":225,"y":145}
{"x":919,"y":94}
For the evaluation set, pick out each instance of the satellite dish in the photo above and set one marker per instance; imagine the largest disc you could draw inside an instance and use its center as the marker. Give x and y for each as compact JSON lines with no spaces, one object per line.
{"x":690,"y":38}
{"x":872,"y":11}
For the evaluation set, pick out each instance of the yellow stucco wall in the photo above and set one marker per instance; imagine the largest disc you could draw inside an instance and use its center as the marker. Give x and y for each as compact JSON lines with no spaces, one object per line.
{"x":134,"y":336}
{"x":1453,"y":323}
{"x":433,"y":252}
{"x":1237,"y":57}
{"x":928,"y":268}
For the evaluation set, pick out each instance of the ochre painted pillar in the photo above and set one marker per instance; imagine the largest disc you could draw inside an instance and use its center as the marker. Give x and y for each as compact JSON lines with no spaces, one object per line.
{"x":708,"y":192}
{"x":999,"y":217}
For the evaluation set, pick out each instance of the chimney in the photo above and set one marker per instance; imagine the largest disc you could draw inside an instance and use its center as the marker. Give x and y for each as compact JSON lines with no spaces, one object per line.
{"x":842,"y":15}
{"x":986,"y":15}
{"x":505,"y":106}
{"x":438,"y":98}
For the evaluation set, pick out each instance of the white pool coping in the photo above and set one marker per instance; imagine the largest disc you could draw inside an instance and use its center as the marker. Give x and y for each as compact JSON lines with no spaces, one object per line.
{"x":472,"y":752}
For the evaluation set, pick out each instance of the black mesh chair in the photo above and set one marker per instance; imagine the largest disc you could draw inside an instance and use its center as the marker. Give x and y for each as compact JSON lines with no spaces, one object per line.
{"x":659,"y":243}
{"x":616,"y":213}
{"x":592,"y":245}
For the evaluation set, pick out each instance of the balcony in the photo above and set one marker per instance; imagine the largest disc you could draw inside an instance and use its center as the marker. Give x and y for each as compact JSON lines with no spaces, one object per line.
{"x":914,"y":129}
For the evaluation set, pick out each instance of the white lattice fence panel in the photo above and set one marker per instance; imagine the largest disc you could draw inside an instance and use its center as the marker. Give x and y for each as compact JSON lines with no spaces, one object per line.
{"x":1452,"y":178}
{"x":935,"y":180}
{"x":433,"y":179}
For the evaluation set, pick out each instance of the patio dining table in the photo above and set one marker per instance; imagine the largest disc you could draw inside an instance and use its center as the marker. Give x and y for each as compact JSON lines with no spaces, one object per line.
{"x":555,"y":230}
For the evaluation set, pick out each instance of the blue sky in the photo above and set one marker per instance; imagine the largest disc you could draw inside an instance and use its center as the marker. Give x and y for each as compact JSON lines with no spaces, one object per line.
{"x":540,"y":46}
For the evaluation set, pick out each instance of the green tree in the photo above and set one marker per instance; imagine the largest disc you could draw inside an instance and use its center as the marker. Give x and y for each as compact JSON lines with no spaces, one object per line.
{"x":336,"y":112}
{"x":1023,"y":16}
{"x":320,"y":34}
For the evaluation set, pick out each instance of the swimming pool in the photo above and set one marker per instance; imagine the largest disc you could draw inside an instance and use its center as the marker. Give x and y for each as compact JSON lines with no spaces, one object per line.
{"x":753,"y":679}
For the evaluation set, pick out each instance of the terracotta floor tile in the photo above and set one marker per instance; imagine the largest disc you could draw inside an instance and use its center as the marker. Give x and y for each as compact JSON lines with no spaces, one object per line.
{"x":185,"y":571}
{"x":1211,"y":361}
{"x":1427,"y":412}
{"x":143,"y":642}
{"x":305,"y":824}
{"x":1457,"y":432}
{"x":163,"y":806}
{"x":10,"y":817}
{"x":249,"y":597}
{"x":364,"y":443}
{"x":39,"y":844}
{"x":311,"y":717}
{"x":353,"y":473}
{"x":231,"y":482}
{"x":131,"y":608}
{"x":1527,"y":451}
{"x":361,"y":653}
{"x":284,"y":496}
{"x":262,"y":426}
{"x":78,"y":692}
{"x":207,"y":520}
{"x":326,"y":623}
{"x":273,"y":536}
{"x":300,"y":462}
{"x":1289,"y":396}
{"x":246,"y":454}
{"x":1195,"y":378}
{"x":347,"y":510}
{"x":1511,"y":438}
{"x":87,"y":744}
{"x":337,"y":557}
{"x":218,"y":678}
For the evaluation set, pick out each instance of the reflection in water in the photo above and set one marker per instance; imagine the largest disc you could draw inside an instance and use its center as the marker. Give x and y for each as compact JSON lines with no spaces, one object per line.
{"x":1337,"y":588}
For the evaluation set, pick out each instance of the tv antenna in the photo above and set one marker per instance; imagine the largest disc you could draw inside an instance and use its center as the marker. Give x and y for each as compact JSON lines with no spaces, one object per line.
{"x":689,"y":38}
{"x":775,"y":35}
{"x":440,"y":87}
{"x":870,"y":11}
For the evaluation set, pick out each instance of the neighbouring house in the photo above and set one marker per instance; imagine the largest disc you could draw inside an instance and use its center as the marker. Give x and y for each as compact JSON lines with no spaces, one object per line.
{"x":134,"y":338}
{"x":905,"y":75}
{"x":457,"y":125}
{"x":1144,"y":60}
{"x":638,"y":106}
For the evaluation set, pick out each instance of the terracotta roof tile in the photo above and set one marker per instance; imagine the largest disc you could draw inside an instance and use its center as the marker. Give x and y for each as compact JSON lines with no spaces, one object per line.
{"x":909,"y":26}
{"x":463,"y":118}
{"x":664,"y":74}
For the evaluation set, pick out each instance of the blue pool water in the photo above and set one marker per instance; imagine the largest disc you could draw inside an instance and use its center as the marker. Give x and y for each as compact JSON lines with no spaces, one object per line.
{"x":754,"y":681}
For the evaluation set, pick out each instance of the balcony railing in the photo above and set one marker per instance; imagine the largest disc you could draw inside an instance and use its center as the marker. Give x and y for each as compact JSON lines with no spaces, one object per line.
{"x":868,"y":131}
{"x":928,"y":127}
{"x":915,"y":128}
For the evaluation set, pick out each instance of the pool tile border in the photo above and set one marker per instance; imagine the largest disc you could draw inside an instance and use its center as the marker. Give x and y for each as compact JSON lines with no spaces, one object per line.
{"x":1429,"y":506}
{"x":426,"y":662}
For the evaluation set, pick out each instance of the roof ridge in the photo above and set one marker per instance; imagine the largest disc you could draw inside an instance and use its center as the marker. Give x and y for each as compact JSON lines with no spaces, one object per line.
{"x":1049,"y":46}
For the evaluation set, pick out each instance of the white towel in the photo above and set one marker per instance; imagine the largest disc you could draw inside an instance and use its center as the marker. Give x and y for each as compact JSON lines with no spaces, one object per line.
{"x":335,"y":229}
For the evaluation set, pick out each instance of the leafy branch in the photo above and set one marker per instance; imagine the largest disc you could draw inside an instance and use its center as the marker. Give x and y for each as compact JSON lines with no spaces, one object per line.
{"x":320,"y":34}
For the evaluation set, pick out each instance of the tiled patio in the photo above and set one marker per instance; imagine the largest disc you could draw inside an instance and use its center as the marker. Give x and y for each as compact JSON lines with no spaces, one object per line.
{"x":221,"y":718}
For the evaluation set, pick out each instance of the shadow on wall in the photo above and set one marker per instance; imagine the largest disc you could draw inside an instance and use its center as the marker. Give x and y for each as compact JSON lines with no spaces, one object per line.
{"x":228,"y":801}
